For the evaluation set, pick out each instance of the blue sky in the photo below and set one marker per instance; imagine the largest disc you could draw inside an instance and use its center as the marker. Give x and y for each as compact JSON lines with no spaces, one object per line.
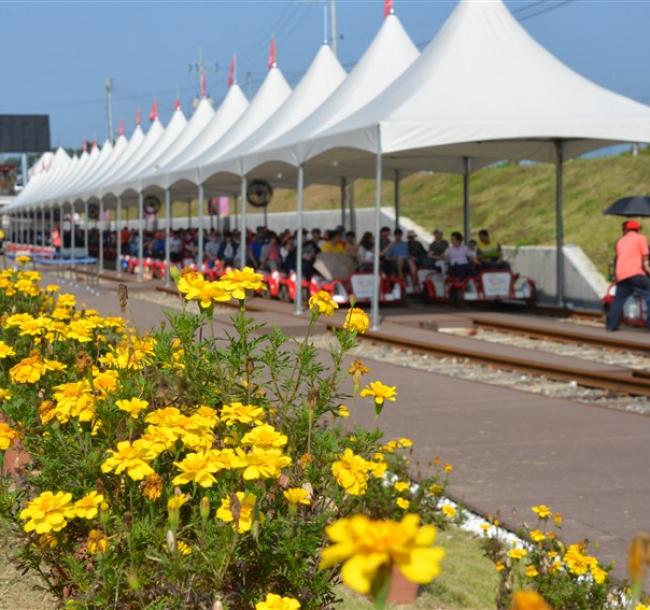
{"x":57,"y":54}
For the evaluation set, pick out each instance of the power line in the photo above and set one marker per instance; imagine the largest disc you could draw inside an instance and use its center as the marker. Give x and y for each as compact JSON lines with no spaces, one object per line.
{"x":543,"y":11}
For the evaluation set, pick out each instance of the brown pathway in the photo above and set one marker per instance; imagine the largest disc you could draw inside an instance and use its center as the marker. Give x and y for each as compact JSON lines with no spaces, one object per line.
{"x":510,"y":449}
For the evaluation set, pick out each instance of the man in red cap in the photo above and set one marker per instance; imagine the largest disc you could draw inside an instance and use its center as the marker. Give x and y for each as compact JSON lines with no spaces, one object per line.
{"x":632,"y":270}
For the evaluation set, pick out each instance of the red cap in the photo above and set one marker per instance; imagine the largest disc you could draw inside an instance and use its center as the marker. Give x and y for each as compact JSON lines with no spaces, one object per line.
{"x":632,"y":225}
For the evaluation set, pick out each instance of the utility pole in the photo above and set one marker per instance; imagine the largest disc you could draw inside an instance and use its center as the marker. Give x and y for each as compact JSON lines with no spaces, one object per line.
{"x":201,"y":69}
{"x":109,"y":108}
{"x":249,"y":84}
{"x":334,"y":34}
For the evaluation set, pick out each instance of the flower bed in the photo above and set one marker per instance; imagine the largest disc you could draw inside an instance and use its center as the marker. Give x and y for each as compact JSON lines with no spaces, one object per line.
{"x":171,"y":470}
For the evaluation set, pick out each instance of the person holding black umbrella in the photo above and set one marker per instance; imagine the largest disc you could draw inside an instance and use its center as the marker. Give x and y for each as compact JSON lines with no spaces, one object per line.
{"x":632,"y":270}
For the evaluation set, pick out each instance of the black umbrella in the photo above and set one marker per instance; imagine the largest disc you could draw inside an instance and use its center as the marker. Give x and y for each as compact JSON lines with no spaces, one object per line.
{"x":630,"y":206}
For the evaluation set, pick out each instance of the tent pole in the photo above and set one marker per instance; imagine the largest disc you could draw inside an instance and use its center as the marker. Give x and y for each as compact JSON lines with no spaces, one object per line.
{"x":43,"y":226}
{"x":467,"y":168}
{"x":141,"y":237}
{"x":201,"y":202}
{"x":168,"y":216}
{"x":242,"y":242}
{"x":72,"y":239}
{"x":353,"y":214}
{"x":118,"y":236}
{"x":100,"y":226}
{"x":559,"y":222}
{"x":86,"y":223}
{"x":397,"y":199}
{"x":300,"y":202}
{"x":375,"y":267}
{"x":343,"y":198}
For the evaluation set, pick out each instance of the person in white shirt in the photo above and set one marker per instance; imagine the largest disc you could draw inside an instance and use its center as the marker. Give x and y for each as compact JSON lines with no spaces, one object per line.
{"x":459,"y":257}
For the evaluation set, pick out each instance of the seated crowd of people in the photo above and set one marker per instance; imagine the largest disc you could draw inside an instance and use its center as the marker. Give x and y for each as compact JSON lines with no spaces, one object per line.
{"x":270,"y":251}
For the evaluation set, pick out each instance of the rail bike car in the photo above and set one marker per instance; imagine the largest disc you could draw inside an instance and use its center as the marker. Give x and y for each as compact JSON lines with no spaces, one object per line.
{"x":491,"y":285}
{"x":359,"y":287}
{"x":635,"y":310}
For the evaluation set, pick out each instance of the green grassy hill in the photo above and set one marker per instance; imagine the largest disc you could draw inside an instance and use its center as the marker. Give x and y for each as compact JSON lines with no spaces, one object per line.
{"x":515,"y":202}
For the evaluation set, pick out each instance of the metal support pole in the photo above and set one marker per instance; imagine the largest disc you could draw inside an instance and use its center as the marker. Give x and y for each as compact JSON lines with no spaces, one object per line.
{"x":299,"y":203}
{"x":343,"y":198}
{"x":189,"y":214}
{"x":467,"y":168}
{"x":334,"y":32}
{"x":559,"y":222}
{"x":244,"y":199}
{"x":23,"y":169}
{"x":100,"y":227}
{"x":86,"y":225}
{"x":43,"y":226}
{"x":168,"y":216}
{"x":141,"y":236}
{"x":72,"y":239}
{"x":199,"y":254}
{"x":397,"y":198}
{"x":375,"y":266}
{"x":118,"y":235}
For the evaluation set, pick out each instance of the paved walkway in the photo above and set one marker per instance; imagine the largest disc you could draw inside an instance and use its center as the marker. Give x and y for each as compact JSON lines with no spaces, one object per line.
{"x":510,"y":449}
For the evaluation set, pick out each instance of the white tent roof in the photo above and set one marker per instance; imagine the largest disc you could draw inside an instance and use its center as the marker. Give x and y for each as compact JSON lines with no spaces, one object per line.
{"x":173,"y":131}
{"x":38,"y":186}
{"x":485,"y":88}
{"x":232,"y":108}
{"x":389,"y":54}
{"x":83,"y":167}
{"x":97,"y":159}
{"x":121,"y":161}
{"x":197,"y":123}
{"x":142,"y":152}
{"x":271,"y":95}
{"x":323,"y":76}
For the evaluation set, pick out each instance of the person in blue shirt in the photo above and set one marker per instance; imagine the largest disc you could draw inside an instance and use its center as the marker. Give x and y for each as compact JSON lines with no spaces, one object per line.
{"x":397,"y":255}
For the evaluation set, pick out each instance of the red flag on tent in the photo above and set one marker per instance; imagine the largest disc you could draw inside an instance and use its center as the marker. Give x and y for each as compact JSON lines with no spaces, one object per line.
{"x":272,"y":54}
{"x":231,"y":71}
{"x":93,"y":145}
{"x":121,"y":130}
{"x":84,"y":146}
{"x":204,"y":85}
{"x":177,"y":104}
{"x":138,"y":117}
{"x":388,"y":8}
{"x":153,"y":113}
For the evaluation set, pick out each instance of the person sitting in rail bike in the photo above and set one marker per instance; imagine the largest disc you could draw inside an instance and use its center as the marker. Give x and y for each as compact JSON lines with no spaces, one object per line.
{"x":460,"y":260}
{"x":490,"y":255}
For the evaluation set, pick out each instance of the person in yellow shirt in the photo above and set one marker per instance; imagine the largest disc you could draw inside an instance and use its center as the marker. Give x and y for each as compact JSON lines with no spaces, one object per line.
{"x":334,"y":243}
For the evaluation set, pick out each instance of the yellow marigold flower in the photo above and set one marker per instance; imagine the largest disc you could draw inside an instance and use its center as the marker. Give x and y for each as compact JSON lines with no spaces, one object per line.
{"x":47,"y":541}
{"x":517,"y":553}
{"x":244,"y":414}
{"x":23,"y":259}
{"x":152,"y":487}
{"x":88,"y":506}
{"x":48,"y":512}
{"x":46,"y":411}
{"x":401,"y":486}
{"x":575,"y":559}
{"x":66,"y":300}
{"x":531,"y":572}
{"x":557,"y":519}
{"x":183,"y":548}
{"x":263,"y":463}
{"x":4,"y":394}
{"x":297,"y":495}
{"x":366,"y":546}
{"x":377,"y":466}
{"x":351,"y":472}
{"x":97,"y":543}
{"x":343,"y":411}
{"x":499,"y":566}
{"x":105,"y":382}
{"x":238,"y":281}
{"x":528,"y":600}
{"x":175,"y":502}
{"x":277,"y":602}
{"x":356,"y":320}
{"x":265,"y":436}
{"x":598,"y":574}
{"x":131,"y":458}
{"x":542,"y":511}
{"x":28,"y":370}
{"x":449,"y":511}
{"x":403,"y":503}
{"x":641,"y":607}
{"x":132,"y":406}
{"x":322,"y":302}
{"x":52,"y":288}
{"x":448,"y":468}
{"x":7,"y":436}
{"x":244,"y":523}
{"x":6,"y":350}
{"x":537,"y":536}
{"x":194,"y":287}
{"x":196,"y":468}
{"x":380,"y":393}
{"x":81,"y":331}
{"x":358,"y":368}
